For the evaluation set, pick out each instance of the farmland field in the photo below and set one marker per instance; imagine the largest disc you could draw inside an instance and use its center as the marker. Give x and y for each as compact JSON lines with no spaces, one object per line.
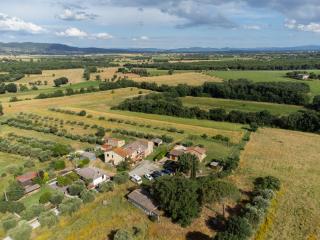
{"x":266,"y":76}
{"x":281,"y":154}
{"x":74,"y":76}
{"x":191,"y":78}
{"x":239,"y":105}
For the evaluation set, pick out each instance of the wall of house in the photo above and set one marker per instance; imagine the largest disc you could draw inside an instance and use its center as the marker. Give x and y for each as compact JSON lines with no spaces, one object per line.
{"x":112,"y":157}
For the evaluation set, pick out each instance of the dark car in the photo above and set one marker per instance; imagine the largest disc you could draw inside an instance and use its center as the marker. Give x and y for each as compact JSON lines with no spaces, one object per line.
{"x":166,"y":172}
{"x":156,"y":174}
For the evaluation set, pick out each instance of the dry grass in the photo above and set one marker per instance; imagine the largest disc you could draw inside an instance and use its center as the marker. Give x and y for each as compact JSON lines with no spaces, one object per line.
{"x":108,"y":73}
{"x":74,"y":76}
{"x":294,"y":158}
{"x":191,"y":78}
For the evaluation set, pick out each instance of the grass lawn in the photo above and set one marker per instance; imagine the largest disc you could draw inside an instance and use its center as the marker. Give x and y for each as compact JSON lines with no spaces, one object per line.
{"x":266,"y":76}
{"x":247,"y":106}
{"x":33,"y":199}
{"x":293,"y":157}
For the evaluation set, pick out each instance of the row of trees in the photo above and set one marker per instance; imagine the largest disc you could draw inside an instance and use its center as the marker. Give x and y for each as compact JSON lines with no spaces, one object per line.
{"x":298,"y":75}
{"x":11,"y":77}
{"x":284,"y":63}
{"x":165,"y":104}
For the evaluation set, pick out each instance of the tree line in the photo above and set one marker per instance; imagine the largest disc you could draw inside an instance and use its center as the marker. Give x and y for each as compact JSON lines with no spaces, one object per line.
{"x":166,"y":104}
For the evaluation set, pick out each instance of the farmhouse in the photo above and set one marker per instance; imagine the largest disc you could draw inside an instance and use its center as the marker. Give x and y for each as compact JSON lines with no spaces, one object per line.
{"x":142,"y":200}
{"x":303,"y":76}
{"x":116,"y":156}
{"x":178,"y":150}
{"x":114,"y":142}
{"x":26,"y":180}
{"x":94,"y":175}
{"x":139,"y":149}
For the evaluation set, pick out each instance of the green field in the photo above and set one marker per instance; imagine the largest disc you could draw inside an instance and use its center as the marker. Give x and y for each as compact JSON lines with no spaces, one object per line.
{"x":266,"y":76}
{"x":239,"y":105}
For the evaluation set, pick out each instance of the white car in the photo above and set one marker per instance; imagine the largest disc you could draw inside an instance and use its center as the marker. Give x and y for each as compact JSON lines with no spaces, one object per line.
{"x":136,"y":179}
{"x":148,"y":176}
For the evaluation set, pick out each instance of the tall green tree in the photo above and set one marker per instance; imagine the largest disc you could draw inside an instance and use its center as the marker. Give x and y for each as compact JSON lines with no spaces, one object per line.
{"x":1,"y":109}
{"x":178,"y":197}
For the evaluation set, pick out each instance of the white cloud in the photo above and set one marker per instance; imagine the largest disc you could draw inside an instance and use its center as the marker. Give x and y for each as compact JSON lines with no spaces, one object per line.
{"x":73,"y":32}
{"x":142,"y":38}
{"x":102,"y":36}
{"x":15,"y":24}
{"x":71,"y":15}
{"x":311,"y":27}
{"x":252,"y":27}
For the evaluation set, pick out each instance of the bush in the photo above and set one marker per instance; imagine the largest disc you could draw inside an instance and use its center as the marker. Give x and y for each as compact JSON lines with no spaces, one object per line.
{"x":253,"y":215}
{"x":239,"y":226}
{"x":9,"y":223}
{"x":32,"y":212}
{"x":21,"y":232}
{"x":260,"y":203}
{"x":122,"y":234}
{"x":56,"y":198}
{"x":87,"y":196}
{"x":76,"y":188}
{"x":48,"y":219}
{"x":45,"y":197}
{"x":69,"y":206}
{"x":268,"y":182}
{"x":106,"y":187}
{"x":121,"y":178}
{"x":13,"y":207}
{"x":59,"y":165}
{"x":15,"y":191}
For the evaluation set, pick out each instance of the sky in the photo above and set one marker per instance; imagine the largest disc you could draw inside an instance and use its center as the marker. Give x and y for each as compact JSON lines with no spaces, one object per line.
{"x":162,"y":23}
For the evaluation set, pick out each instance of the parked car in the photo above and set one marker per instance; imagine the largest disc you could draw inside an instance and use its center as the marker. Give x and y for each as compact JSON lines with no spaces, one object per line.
{"x":148,"y":176}
{"x":167,"y":172}
{"x":156,"y":174}
{"x":136,"y":179}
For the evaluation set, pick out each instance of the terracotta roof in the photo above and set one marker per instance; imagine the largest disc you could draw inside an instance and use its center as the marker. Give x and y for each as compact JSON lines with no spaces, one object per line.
{"x":143,"y":199}
{"x":121,"y":152}
{"x":175,"y":152}
{"x":27,"y":177}
{"x":107,"y":147}
{"x":197,"y":149}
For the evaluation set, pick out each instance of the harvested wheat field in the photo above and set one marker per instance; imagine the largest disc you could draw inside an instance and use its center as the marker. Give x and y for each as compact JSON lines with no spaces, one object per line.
{"x":294,"y":158}
{"x":191,"y":78}
{"x":74,"y":76}
{"x":108,"y":73}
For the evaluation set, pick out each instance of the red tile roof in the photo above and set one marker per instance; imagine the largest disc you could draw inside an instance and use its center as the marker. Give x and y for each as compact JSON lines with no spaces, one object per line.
{"x":27,"y":177}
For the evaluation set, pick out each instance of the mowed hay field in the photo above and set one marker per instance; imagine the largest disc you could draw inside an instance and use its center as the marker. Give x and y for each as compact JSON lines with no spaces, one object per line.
{"x":293,"y":157}
{"x":108,"y":73}
{"x":74,"y":76}
{"x":239,"y":105}
{"x":190,"y":78}
{"x":266,"y":76}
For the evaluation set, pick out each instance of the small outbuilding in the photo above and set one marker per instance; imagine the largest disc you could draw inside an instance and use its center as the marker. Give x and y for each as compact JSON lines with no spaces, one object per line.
{"x":93,"y":175}
{"x":141,"y":199}
{"x":157,"y":142}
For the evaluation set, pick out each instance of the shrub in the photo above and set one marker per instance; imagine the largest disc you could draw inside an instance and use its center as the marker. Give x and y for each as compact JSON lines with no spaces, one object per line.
{"x":59,"y":165}
{"x":76,"y":188}
{"x":45,"y":197}
{"x":48,"y":219}
{"x":260,"y":203}
{"x":268,"y":182}
{"x":13,"y":207}
{"x":106,"y":187}
{"x":253,"y":215}
{"x":69,"y":206}
{"x":122,"y":234}
{"x":56,"y":198}
{"x":239,"y":226}
{"x":121,"y":178}
{"x":32,"y":212}
{"x":9,"y":222}
{"x":21,"y":232}
{"x":87,"y":196}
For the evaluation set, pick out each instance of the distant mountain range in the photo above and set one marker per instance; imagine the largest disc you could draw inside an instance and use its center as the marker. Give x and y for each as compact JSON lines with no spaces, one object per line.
{"x":54,"y":48}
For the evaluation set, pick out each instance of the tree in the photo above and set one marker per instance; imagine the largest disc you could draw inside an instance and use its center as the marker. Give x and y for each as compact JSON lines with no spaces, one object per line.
{"x":185,"y":162}
{"x":21,"y":232}
{"x":11,"y":87}
{"x":239,"y":227}
{"x":69,"y":206}
{"x":76,"y":188}
{"x":56,"y":198}
{"x":178,"y":197}
{"x":1,"y":109}
{"x":9,"y":222}
{"x":87,"y":196}
{"x":48,"y":219}
{"x":32,"y":212}
{"x":106,"y":187}
{"x":122,"y":234}
{"x":15,"y":191}
{"x":45,"y":197}
{"x":121,"y":178}
{"x":268,"y":182}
